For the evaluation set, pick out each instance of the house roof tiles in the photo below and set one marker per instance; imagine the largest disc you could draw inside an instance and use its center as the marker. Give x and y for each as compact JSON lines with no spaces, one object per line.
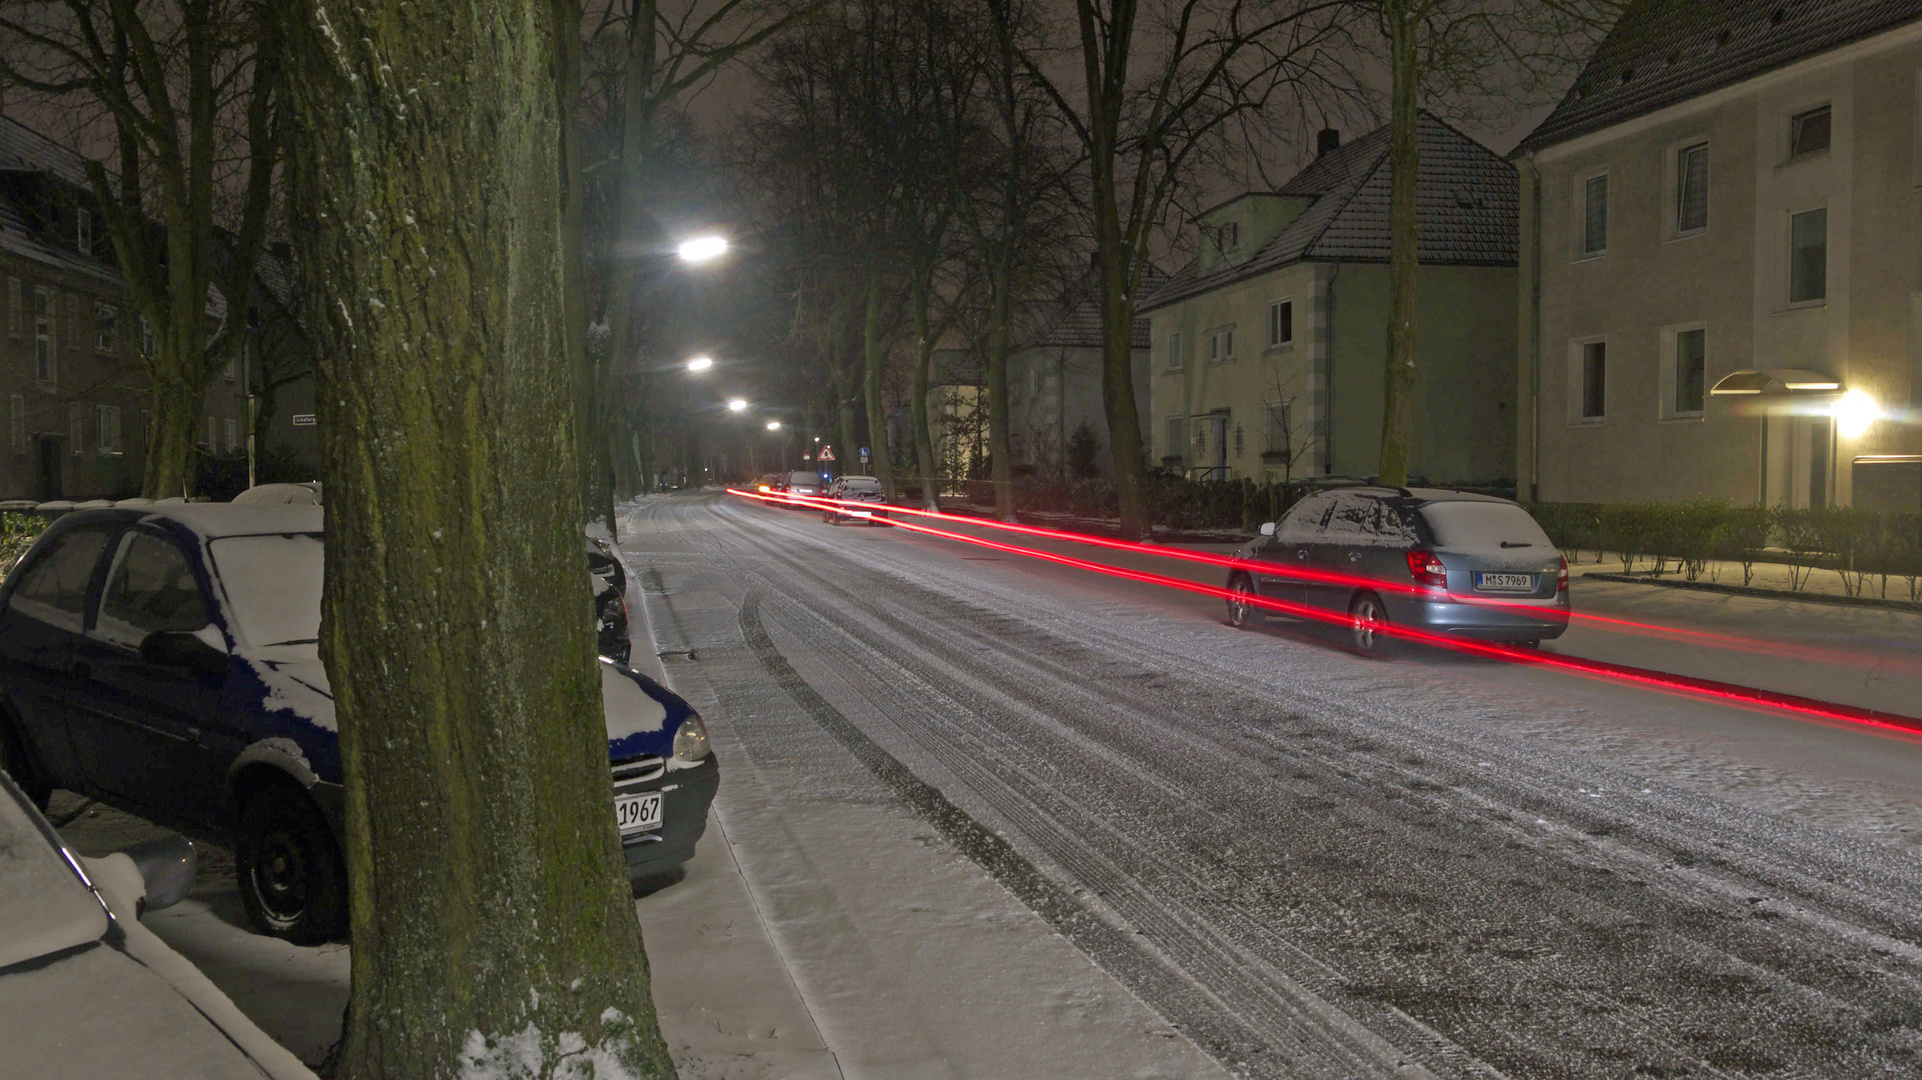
{"x":1661,"y":52}
{"x":1466,"y":205}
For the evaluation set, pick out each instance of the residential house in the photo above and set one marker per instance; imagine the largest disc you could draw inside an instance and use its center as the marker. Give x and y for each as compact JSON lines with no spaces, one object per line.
{"x":1722,"y":297}
{"x":71,"y":342}
{"x":1054,"y":381}
{"x":1269,"y":347}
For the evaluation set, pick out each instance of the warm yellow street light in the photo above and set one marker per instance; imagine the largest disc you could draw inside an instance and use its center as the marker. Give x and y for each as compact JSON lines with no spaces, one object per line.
{"x":737,"y":404}
{"x":774,"y":425}
{"x":700,"y":364}
{"x":703,"y":249}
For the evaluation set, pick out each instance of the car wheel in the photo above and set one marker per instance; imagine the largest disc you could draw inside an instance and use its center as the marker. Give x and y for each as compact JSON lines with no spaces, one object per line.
{"x":13,"y":762}
{"x":1242,"y":612}
{"x":1367,"y":621}
{"x":1526,"y":643}
{"x":292,"y":881}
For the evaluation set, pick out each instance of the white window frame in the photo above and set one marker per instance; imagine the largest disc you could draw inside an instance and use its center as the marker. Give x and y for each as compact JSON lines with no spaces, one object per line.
{"x":108,"y":442}
{"x":213,"y":434}
{"x":83,"y":231}
{"x":1788,"y":132}
{"x":1672,"y":188}
{"x":1788,"y":243}
{"x":1577,"y":382}
{"x":107,"y":337}
{"x":1275,"y":308}
{"x":46,"y":338}
{"x":1173,"y":361}
{"x":1220,"y":345}
{"x":1578,"y":242}
{"x":146,"y":337}
{"x":1667,"y":407}
{"x":231,"y":427}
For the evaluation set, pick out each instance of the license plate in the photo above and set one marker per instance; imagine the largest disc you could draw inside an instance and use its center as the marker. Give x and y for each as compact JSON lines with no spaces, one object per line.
{"x":637,"y":813}
{"x":861,"y":513}
{"x":1506,"y":582}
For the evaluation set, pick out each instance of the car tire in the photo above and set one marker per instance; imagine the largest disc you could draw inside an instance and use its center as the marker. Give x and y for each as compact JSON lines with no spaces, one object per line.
{"x":293,"y":883}
{"x":1366,"y":620}
{"x":1242,"y":613}
{"x":13,"y":762}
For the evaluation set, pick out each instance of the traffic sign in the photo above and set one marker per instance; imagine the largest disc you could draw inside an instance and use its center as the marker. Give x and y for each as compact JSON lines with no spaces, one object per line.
{"x":864,"y":455}
{"x":827,"y":453}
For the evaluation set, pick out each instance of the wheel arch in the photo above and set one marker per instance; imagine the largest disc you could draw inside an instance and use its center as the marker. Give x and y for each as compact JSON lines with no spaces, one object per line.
{"x":264,"y":763}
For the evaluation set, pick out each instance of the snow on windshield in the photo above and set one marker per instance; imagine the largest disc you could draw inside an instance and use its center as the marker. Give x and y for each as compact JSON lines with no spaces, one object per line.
{"x":273,"y":585}
{"x":1484,"y":526}
{"x":43,"y":907}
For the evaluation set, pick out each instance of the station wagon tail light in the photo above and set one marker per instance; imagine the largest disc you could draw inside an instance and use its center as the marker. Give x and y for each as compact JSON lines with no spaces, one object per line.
{"x":1561,"y":576}
{"x":1428,"y":570}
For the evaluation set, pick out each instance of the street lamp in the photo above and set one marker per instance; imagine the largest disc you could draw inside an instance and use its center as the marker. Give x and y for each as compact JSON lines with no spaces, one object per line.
{"x":703,"y":249}
{"x":700,"y":364}
{"x":737,"y":404}
{"x":774,"y":425}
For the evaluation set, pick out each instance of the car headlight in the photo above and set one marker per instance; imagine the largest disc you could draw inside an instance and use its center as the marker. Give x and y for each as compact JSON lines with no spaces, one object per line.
{"x":690,"y":742}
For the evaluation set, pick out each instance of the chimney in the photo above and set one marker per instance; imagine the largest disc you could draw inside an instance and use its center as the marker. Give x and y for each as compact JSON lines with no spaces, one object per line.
{"x":1327,"y":142}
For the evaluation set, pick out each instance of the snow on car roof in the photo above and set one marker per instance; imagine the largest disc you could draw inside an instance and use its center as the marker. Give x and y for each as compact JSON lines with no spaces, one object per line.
{"x":226,"y":519}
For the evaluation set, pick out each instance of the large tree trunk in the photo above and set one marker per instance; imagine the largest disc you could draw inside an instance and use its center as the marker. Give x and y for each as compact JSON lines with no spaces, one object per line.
{"x":567,"y":89}
{"x":874,"y":353}
{"x":923,"y":437}
{"x":491,"y":916}
{"x":176,"y":404}
{"x":1404,"y":162}
{"x":1113,"y":264}
{"x":1000,"y":445}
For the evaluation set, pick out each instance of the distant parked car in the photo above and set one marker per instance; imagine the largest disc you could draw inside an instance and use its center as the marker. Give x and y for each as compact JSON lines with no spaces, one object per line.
{"x":865,"y":489}
{"x":767,"y":483}
{"x":1442,"y":562}
{"x":803,"y":482}
{"x":89,"y":993}
{"x":302,"y":494}
{"x":165,"y":661}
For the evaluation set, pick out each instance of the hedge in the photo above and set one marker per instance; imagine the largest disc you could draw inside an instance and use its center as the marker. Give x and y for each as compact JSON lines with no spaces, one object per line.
{"x":1857,"y":545}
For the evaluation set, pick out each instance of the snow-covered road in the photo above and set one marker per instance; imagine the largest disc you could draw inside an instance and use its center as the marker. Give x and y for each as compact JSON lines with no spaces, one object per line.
{"x":1313,"y":863}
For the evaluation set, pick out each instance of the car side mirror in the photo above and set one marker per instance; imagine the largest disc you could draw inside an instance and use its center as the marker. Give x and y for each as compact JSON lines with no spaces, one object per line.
{"x":1267,"y":528}
{"x":180,"y":649}
{"x":167,"y":867}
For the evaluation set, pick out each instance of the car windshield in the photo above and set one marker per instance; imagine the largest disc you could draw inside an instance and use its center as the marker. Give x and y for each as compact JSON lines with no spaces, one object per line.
{"x":43,"y":906}
{"x":1484,"y":527}
{"x":803,"y":479}
{"x":273,"y":586}
{"x":857,"y":486}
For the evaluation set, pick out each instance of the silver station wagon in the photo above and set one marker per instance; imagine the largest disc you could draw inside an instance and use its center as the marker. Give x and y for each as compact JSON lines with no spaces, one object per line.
{"x":1444,"y":563}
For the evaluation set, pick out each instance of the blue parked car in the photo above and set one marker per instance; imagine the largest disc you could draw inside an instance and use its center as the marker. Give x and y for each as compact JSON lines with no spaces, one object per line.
{"x":164,"y":660}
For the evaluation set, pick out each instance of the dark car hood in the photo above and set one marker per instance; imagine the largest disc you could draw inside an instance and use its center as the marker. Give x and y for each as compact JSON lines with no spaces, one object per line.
{"x":641,"y":714}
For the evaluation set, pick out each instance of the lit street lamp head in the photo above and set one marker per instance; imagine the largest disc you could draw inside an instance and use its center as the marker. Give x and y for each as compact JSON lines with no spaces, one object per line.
{"x":700,"y":364}
{"x":737,"y":404}
{"x":774,"y":425}
{"x":703,"y":249}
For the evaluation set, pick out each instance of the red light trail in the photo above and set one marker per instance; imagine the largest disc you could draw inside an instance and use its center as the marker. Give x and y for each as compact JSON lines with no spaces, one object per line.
{"x":1662,"y":682}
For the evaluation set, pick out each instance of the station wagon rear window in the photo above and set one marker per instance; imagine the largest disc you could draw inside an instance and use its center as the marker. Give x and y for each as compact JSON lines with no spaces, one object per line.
{"x":1485,"y":527}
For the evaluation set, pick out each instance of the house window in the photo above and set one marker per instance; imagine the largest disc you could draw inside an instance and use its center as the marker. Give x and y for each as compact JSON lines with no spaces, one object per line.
{"x":1684,"y":372}
{"x":1227,"y":237}
{"x":233,"y":435}
{"x":1176,"y":435}
{"x":17,"y":424}
{"x":109,"y":416}
{"x":1281,"y":323}
{"x":232,"y":369}
{"x":1809,"y":256}
{"x":1588,"y":381}
{"x":1239,"y":445}
{"x":1221,"y":345}
{"x":1809,"y":132}
{"x":213,"y":435}
{"x":146,"y":337}
{"x":83,"y":231}
{"x":106,"y":320}
{"x":1594,"y":216}
{"x":1174,"y":351}
{"x":1691,"y":189}
{"x":1281,"y":432}
{"x":16,"y":309}
{"x":68,"y":312}
{"x":46,"y":354}
{"x":77,"y":425}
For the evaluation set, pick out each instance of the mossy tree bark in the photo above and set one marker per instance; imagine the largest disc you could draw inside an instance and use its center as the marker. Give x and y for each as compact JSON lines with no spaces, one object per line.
{"x":1404,"y":163}
{"x":874,"y":352}
{"x":491,"y":916}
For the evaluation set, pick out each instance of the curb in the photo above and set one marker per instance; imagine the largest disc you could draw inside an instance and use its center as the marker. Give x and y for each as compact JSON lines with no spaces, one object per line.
{"x":1761,"y":594}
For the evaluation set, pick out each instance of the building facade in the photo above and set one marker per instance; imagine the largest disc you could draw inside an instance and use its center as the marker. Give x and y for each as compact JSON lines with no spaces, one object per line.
{"x":1270,"y":347}
{"x":1722,"y":296}
{"x":1054,"y":384}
